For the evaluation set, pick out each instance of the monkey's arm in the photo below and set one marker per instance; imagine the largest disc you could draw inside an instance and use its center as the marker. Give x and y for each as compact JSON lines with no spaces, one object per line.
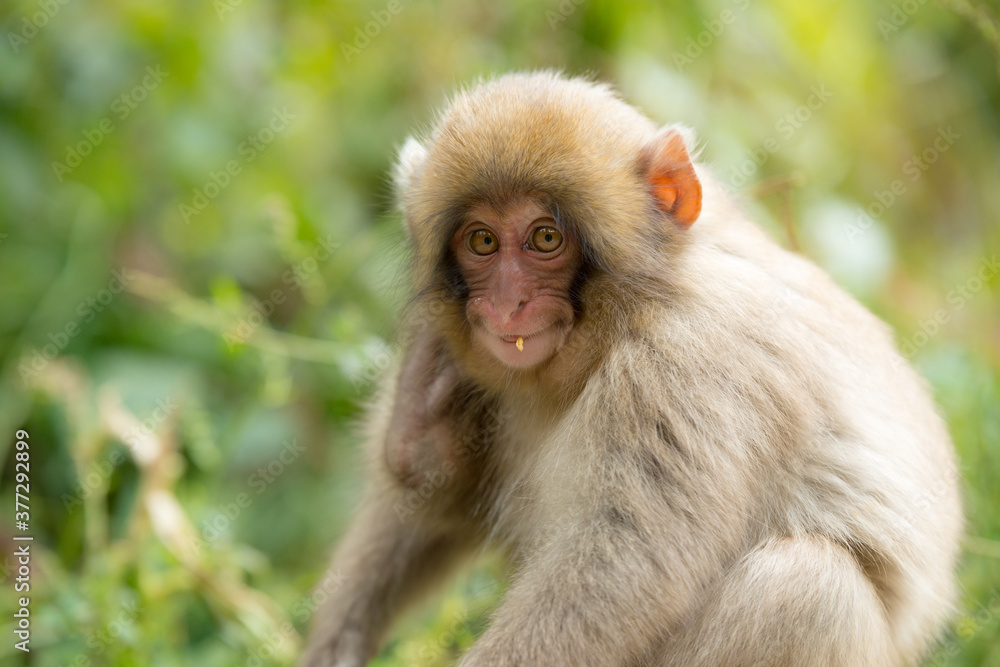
{"x":384,"y":560}
{"x":423,"y":433}
{"x":405,"y":535}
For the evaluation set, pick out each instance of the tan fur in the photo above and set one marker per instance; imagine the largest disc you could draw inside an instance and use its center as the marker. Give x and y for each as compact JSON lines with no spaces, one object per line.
{"x":727,"y":464}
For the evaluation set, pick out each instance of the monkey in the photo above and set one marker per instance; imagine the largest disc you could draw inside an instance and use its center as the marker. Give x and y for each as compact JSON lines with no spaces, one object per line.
{"x":691,"y":446}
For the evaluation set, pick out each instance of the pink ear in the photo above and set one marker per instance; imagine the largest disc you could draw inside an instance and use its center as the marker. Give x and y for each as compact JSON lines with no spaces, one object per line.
{"x":671,"y":178}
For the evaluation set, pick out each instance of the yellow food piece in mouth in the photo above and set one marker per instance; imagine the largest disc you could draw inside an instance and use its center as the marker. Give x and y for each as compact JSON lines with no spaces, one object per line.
{"x":520,"y":344}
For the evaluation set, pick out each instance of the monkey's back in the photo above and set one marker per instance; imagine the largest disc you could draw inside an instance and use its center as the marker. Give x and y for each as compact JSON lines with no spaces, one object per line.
{"x":866,"y":457}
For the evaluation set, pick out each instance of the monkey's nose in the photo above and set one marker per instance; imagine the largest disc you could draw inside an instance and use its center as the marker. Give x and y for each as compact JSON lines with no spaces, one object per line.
{"x":505,"y":312}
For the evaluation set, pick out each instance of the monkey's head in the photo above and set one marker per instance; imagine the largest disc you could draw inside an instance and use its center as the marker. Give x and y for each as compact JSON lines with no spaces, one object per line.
{"x":539,"y":209}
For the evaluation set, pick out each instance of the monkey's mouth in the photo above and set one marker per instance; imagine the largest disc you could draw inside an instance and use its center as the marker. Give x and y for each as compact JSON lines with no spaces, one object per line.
{"x":512,"y":338}
{"x":524,"y":350}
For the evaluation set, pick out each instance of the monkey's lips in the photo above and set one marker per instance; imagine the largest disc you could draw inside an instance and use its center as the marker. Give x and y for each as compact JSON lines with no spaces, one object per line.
{"x":537,"y":347}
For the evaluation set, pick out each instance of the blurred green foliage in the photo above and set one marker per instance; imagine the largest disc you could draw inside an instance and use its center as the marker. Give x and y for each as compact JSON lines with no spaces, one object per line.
{"x":199,"y":266}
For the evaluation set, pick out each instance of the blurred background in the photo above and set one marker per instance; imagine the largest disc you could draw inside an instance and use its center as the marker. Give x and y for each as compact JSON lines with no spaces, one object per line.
{"x":200,"y":262}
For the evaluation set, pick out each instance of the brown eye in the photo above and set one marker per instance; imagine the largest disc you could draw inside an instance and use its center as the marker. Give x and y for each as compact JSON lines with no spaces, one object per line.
{"x":546,"y":239}
{"x":483,"y":242}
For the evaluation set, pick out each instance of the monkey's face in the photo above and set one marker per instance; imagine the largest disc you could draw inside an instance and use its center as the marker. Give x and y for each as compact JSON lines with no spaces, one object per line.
{"x":518,"y":265}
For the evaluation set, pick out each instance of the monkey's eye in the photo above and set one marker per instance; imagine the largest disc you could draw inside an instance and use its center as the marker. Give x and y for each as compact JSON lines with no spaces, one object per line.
{"x":546,"y":239}
{"x":483,"y":242}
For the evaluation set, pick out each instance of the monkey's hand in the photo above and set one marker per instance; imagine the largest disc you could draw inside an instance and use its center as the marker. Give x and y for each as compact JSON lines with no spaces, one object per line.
{"x":421,"y":435}
{"x":345,"y":648}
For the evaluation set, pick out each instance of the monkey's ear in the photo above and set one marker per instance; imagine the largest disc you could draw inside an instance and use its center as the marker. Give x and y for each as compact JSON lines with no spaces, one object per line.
{"x":671,"y":178}
{"x":411,"y":159}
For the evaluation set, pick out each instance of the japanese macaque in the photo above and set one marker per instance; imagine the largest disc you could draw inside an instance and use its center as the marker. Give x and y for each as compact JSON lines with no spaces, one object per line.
{"x":695,"y":449}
